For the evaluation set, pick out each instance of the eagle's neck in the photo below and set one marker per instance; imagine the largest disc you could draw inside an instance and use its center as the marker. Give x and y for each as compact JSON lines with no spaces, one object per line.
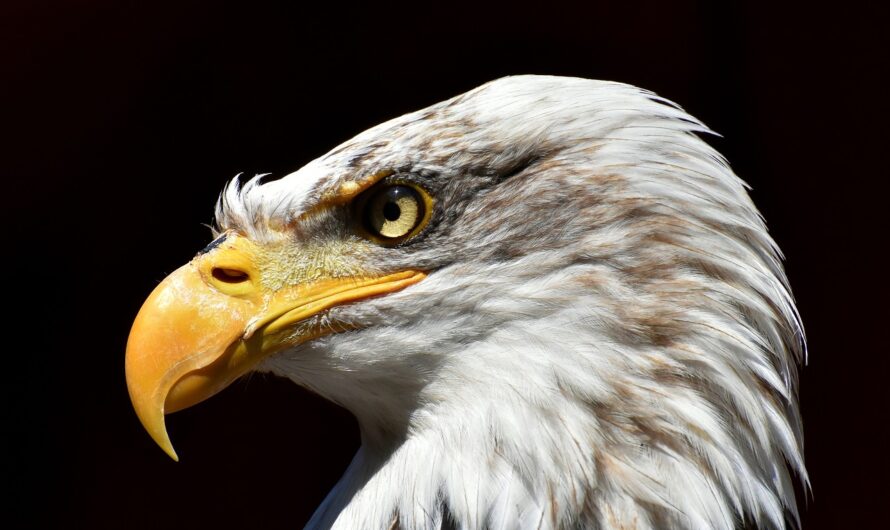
{"x":538,"y":452}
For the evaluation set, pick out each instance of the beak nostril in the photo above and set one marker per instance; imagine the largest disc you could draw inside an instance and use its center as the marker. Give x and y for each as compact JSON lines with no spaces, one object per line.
{"x":229,"y":275}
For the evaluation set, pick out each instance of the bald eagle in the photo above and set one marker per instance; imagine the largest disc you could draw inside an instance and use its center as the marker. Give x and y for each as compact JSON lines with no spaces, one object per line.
{"x":547,"y":302}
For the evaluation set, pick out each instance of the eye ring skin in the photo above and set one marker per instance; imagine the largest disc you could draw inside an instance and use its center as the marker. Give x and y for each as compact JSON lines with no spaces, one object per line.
{"x":366,"y":200}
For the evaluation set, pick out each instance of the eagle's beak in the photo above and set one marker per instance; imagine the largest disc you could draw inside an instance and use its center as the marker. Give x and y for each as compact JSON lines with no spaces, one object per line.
{"x":216,"y":318}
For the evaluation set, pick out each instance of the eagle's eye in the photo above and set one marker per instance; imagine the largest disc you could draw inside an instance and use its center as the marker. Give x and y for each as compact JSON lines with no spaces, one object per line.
{"x":392,"y":213}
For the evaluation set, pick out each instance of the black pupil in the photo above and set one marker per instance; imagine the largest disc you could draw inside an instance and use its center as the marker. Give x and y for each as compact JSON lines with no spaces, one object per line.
{"x":391,"y":211}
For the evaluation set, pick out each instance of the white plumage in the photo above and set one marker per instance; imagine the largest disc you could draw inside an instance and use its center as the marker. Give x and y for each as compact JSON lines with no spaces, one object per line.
{"x":606,"y":338}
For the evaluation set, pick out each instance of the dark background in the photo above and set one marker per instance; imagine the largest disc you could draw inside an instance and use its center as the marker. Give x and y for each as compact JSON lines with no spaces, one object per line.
{"x":121,"y":121}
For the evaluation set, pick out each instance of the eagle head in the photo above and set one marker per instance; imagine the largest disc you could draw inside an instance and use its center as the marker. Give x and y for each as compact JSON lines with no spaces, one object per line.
{"x":548,"y":303}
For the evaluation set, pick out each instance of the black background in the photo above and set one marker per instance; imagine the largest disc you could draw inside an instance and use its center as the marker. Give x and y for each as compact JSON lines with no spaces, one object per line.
{"x":121,"y":121}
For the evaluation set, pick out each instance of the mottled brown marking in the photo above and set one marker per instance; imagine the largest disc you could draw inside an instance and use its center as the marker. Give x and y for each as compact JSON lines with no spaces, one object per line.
{"x":616,"y":524}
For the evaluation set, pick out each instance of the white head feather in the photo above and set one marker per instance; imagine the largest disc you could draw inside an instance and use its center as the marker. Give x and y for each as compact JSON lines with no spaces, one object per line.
{"x":606,"y":338}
